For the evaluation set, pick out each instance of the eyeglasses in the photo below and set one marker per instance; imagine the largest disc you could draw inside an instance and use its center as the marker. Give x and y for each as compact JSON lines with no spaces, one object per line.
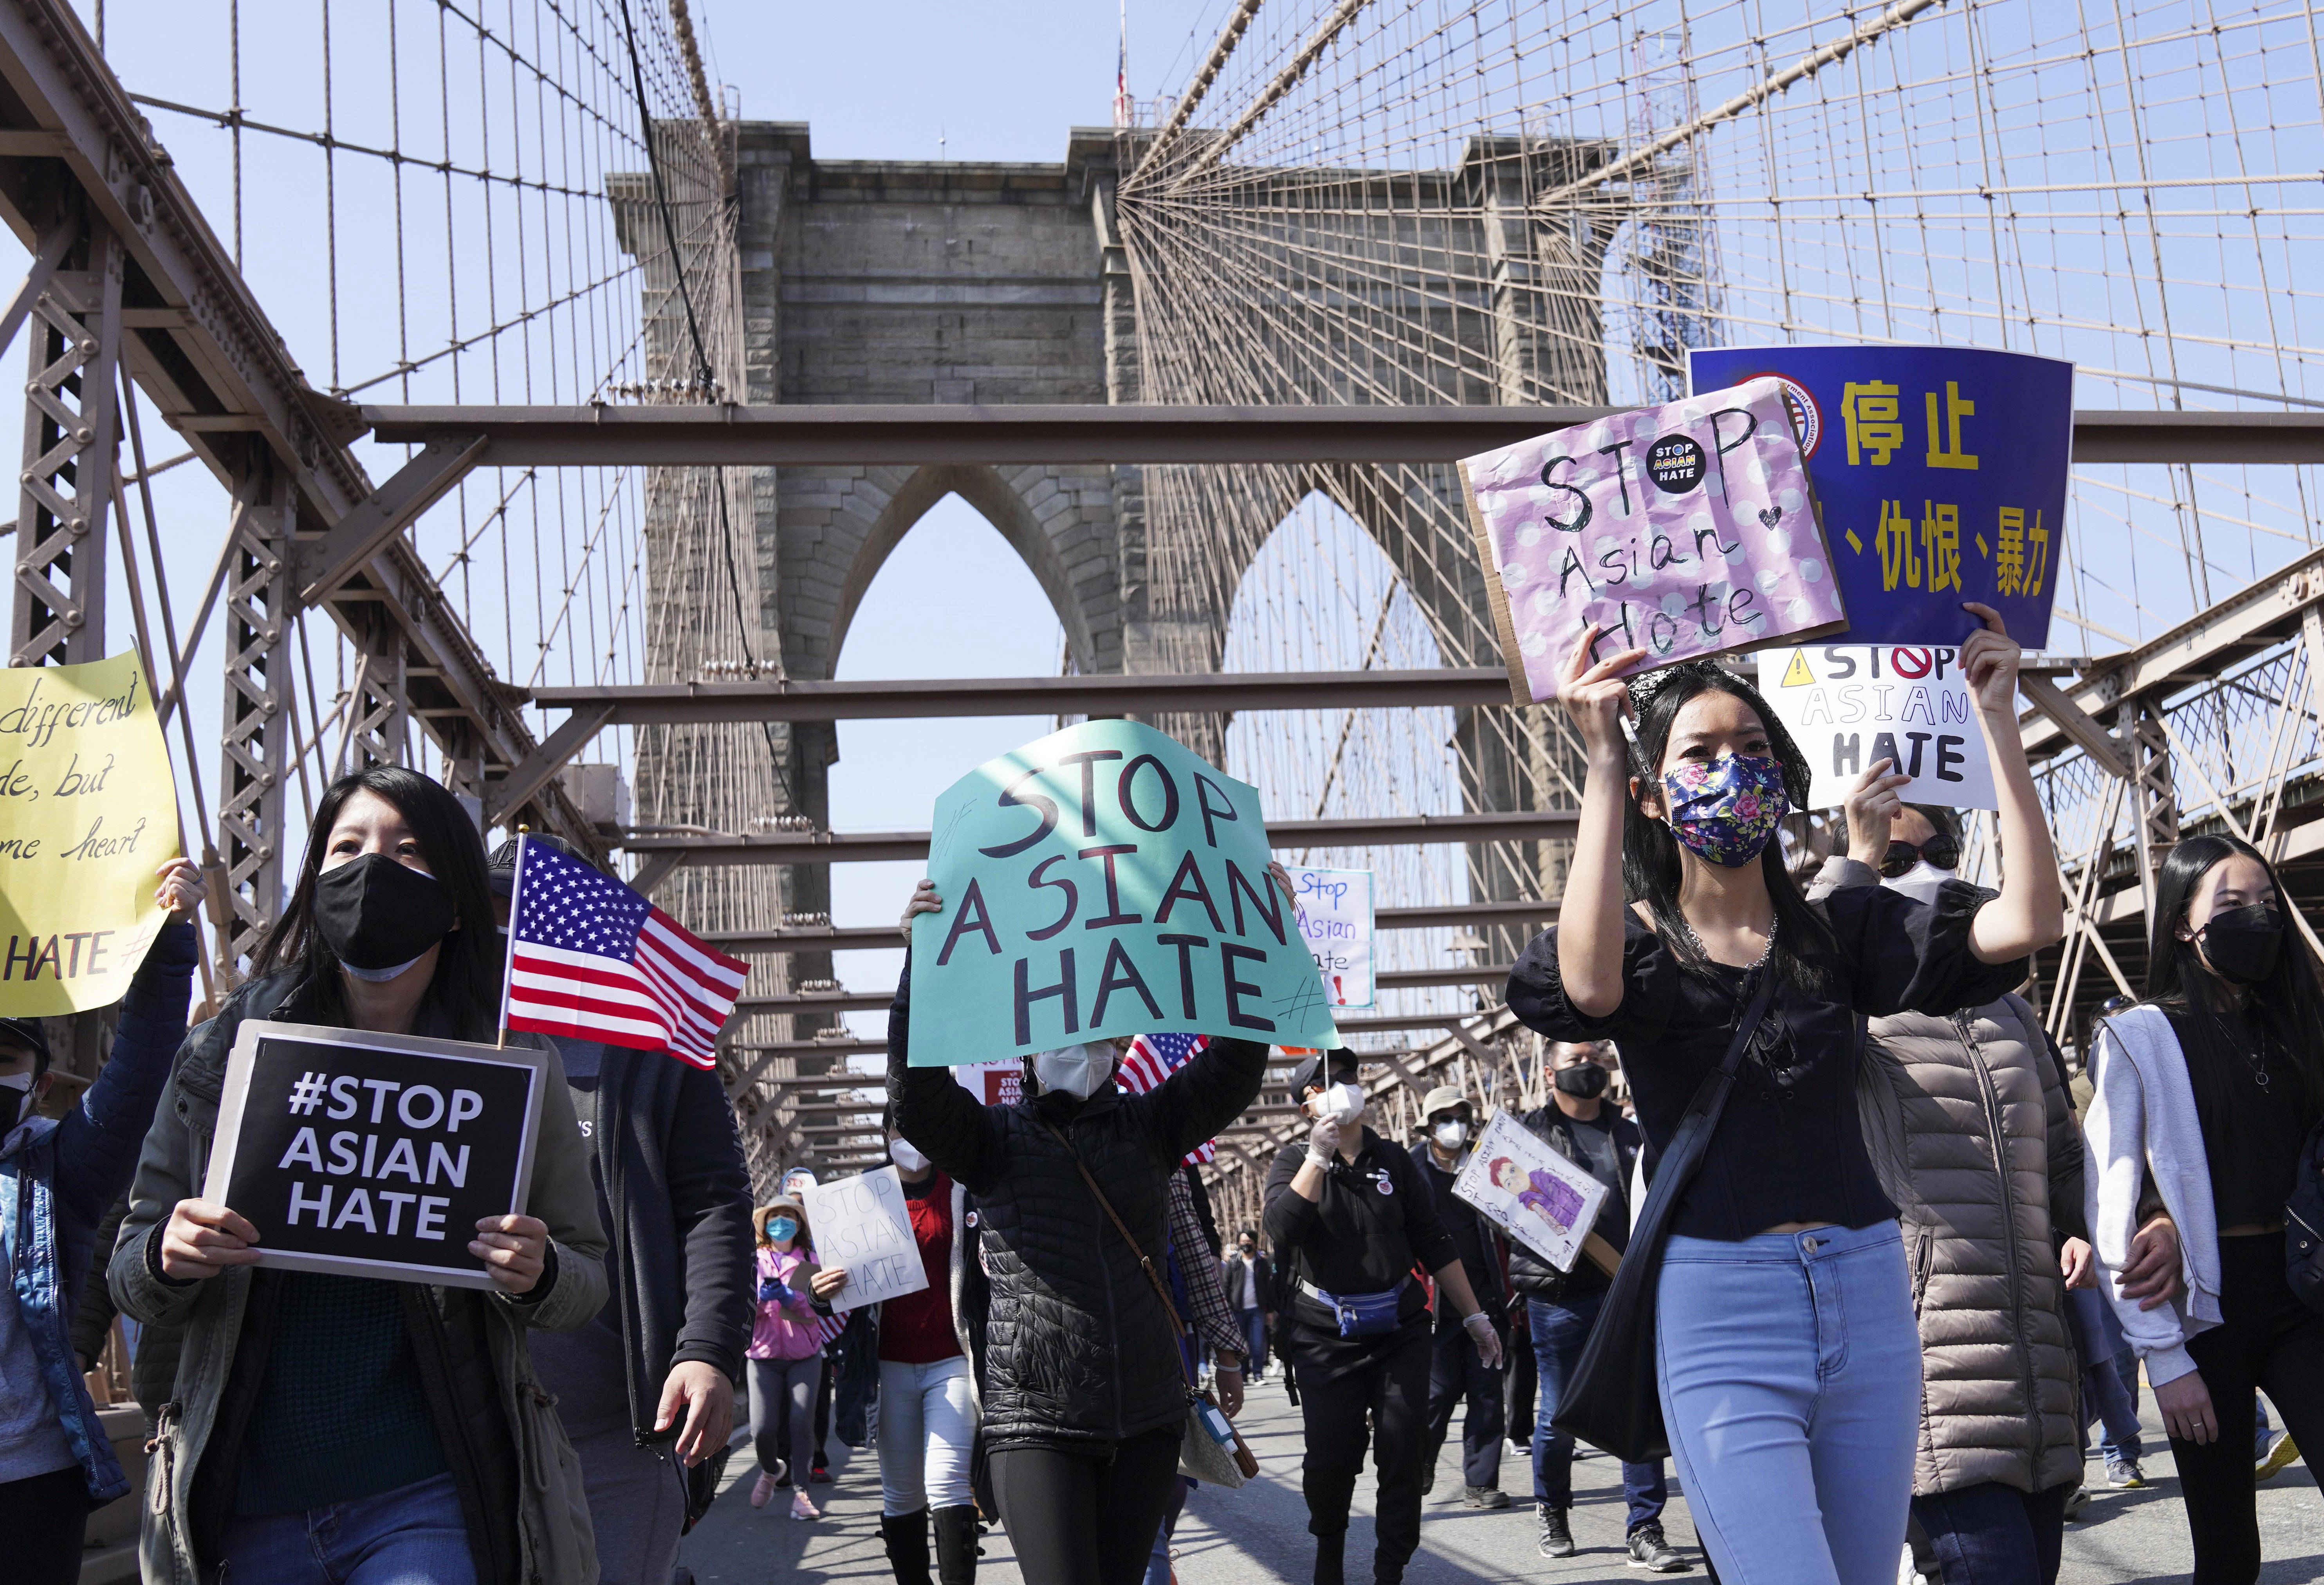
{"x":1941,"y":850}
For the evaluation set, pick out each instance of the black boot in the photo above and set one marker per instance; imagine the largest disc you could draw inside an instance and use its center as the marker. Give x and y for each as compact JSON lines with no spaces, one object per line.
{"x":956,"y":1546}
{"x":906,"y":1536}
{"x":1330,"y":1549}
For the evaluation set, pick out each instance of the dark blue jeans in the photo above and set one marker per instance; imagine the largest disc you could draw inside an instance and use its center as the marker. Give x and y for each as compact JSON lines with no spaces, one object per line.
{"x":1995,"y":1535}
{"x":1559,"y":1331}
{"x":2104,"y":1393}
{"x":1457,"y":1372}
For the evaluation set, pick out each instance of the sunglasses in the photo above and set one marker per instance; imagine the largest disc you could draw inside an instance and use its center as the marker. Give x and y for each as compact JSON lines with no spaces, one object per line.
{"x":1941,"y":850}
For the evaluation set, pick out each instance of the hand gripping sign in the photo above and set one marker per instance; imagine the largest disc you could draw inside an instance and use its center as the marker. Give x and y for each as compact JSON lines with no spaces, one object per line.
{"x":89,"y":812}
{"x":373,"y":1155}
{"x":1684,"y":530}
{"x":1104,"y":880}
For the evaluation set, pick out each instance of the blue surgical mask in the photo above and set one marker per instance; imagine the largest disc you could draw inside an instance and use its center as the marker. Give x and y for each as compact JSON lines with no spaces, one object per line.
{"x":781,"y":1228}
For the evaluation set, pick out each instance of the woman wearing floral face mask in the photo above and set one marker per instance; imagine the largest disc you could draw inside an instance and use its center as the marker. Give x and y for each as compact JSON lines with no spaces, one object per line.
{"x":1788,"y":1361}
{"x":2205,"y":1095}
{"x":1083,"y":1401}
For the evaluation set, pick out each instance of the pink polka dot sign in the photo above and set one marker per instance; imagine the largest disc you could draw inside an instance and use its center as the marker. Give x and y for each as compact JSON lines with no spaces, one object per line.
{"x":1684,"y":530}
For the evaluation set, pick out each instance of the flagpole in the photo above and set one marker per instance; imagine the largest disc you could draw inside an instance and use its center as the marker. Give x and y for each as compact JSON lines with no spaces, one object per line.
{"x":508,"y":957}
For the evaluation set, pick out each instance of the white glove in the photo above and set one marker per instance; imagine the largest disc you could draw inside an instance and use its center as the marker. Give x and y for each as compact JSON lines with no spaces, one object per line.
{"x":1323,"y":1140}
{"x":1488,"y":1341}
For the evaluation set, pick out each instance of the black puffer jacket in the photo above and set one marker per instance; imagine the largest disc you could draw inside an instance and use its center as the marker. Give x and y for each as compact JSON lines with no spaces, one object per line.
{"x":1080,"y":1353}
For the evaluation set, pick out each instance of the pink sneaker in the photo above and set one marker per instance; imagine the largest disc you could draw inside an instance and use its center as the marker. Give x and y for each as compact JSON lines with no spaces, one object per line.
{"x":764,"y":1489}
{"x":801,"y":1508}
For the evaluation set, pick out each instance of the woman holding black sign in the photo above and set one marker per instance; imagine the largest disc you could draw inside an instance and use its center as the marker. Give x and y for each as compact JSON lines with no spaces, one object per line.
{"x":315,"y":1427}
{"x":1780,"y":1308}
{"x":1084,"y":1403}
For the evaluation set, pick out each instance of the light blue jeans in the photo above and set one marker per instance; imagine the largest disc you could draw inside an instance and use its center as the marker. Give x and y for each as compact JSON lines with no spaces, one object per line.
{"x":927,"y":1430}
{"x":413,"y":1535}
{"x":1791,"y":1387}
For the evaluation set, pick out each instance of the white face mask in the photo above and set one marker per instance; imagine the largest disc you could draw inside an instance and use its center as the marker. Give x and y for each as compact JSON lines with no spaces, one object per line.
{"x":1080,"y":1071}
{"x":1453,"y":1134}
{"x":1342,"y":1104}
{"x":1920,"y":882}
{"x":16,"y":1100}
{"x":903,"y":1155}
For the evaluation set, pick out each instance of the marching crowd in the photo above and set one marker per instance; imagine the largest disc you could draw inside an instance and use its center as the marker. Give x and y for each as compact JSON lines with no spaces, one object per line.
{"x":1872,"y":1259}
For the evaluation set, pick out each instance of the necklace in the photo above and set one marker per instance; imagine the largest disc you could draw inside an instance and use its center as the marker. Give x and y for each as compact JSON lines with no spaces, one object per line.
{"x":1765,"y":953}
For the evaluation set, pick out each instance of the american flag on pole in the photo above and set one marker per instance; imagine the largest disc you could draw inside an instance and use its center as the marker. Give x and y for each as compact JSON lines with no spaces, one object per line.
{"x":590,"y":958}
{"x":1155,"y":1058}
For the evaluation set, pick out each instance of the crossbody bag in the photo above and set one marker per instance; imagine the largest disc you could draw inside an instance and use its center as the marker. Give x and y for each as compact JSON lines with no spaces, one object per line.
{"x":1211,"y":1449}
{"x":1613,"y":1400}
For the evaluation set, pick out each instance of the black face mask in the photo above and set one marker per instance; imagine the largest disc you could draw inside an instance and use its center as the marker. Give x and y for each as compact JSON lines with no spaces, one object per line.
{"x":2241,"y":943}
{"x":376,"y":913}
{"x":1584,"y":1082}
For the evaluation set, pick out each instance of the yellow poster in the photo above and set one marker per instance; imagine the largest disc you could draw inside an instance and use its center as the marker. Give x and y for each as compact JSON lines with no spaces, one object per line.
{"x":88,"y":811}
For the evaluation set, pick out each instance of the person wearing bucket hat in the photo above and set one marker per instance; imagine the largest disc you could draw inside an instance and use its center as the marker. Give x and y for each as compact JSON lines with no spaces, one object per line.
{"x":55,"y":1464}
{"x":785,"y":1351}
{"x":647,"y":1388}
{"x":1457,"y":1371}
{"x":1352,"y":1217}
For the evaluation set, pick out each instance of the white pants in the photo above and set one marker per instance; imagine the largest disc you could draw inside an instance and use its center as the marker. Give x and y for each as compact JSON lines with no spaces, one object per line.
{"x":927,"y":1429}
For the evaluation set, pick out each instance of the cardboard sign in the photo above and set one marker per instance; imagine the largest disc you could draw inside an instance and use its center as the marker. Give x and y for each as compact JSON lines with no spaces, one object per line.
{"x":373,"y":1155}
{"x":1530,"y":1191}
{"x":860,"y":1224}
{"x":88,"y":811}
{"x":1849,"y":706}
{"x":1335,"y":917}
{"x":1942,"y":475}
{"x":1104,"y":880}
{"x":1686,"y":530}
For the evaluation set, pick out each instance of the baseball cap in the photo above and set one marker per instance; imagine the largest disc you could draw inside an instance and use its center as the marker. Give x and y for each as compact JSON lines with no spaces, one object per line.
{"x":1309,"y":1074}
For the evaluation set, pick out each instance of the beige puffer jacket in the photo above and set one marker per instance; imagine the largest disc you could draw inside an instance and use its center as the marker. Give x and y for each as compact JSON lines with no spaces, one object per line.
{"x":1969,"y":1126}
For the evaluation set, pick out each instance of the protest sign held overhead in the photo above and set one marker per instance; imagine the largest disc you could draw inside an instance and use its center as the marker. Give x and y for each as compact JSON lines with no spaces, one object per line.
{"x":1849,"y":706}
{"x":373,"y":1155}
{"x":1530,"y":1191}
{"x":1335,"y":917}
{"x":1104,"y":880}
{"x":861,"y":1226}
{"x":1941,"y":472}
{"x":88,"y":811}
{"x":1684,"y":530}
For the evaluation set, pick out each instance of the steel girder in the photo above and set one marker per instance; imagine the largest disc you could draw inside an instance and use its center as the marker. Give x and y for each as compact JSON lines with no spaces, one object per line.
{"x":736,"y":436}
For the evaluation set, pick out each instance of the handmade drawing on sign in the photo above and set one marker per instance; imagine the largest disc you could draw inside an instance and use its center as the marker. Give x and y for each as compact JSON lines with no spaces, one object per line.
{"x":1530,"y":1191}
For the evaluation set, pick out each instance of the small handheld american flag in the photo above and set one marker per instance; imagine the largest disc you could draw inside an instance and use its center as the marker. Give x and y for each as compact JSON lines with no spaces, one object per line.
{"x":592,"y":959}
{"x":1155,"y":1058}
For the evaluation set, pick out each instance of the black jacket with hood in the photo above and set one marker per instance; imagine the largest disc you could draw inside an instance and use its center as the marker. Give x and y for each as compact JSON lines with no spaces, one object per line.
{"x":1080,"y":1353}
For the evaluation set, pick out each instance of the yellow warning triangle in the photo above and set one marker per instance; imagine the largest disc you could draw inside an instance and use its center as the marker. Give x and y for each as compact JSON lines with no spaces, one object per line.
{"x":1797,"y":674}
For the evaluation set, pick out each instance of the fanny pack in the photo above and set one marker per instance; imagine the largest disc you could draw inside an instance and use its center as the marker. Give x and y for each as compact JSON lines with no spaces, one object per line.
{"x":1360,"y":1314}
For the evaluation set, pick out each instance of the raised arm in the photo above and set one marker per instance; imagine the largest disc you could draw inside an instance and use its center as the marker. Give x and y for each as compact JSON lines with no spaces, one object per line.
{"x":934,"y":1111}
{"x":1590,"y":919}
{"x":2030,"y":913}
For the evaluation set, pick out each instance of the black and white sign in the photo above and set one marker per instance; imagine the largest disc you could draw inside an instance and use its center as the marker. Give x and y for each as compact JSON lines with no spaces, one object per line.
{"x":373,"y":1155}
{"x":861,"y":1226}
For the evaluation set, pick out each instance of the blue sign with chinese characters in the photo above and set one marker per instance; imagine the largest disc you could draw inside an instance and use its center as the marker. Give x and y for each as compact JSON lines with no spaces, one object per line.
{"x":1940,"y":473}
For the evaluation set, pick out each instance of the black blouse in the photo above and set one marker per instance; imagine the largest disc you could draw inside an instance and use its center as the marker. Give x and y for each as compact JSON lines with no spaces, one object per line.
{"x":2252,"y":1132}
{"x":1788,"y":1147}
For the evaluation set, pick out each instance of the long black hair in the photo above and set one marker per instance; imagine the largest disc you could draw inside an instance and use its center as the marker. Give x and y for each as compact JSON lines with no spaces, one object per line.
{"x":2288,"y":1004}
{"x":1651,"y":869}
{"x":467,"y":985}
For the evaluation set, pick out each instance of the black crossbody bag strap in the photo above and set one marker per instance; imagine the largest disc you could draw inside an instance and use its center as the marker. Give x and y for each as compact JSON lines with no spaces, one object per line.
{"x":1614,"y":1400}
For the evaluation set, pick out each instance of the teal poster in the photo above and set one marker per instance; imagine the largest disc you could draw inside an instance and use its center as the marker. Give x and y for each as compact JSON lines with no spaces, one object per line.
{"x":1105,"y":880}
